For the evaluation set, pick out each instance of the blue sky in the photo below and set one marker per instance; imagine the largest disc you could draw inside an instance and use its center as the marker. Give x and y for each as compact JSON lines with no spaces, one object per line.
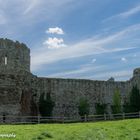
{"x":92,"y":39}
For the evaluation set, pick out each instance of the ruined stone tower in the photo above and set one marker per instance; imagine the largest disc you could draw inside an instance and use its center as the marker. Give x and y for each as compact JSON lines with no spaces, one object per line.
{"x":14,"y":57}
{"x":15,"y":79}
{"x":20,"y":90}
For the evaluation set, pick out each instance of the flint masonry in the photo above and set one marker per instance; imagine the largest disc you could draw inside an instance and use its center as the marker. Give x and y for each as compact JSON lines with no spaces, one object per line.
{"x":20,"y":90}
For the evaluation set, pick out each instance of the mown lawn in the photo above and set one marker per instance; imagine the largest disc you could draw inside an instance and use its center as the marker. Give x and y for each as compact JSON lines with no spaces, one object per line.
{"x":113,"y":130}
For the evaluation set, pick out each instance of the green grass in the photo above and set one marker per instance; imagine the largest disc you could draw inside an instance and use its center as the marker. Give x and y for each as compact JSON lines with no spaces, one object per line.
{"x":112,"y":130}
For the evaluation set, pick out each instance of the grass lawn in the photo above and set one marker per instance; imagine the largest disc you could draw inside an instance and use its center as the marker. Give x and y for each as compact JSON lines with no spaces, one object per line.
{"x":112,"y":130}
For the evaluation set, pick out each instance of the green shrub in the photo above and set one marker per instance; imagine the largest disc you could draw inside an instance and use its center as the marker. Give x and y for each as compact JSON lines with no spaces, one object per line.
{"x":116,"y":107}
{"x":83,"y":107}
{"x":100,"y":108}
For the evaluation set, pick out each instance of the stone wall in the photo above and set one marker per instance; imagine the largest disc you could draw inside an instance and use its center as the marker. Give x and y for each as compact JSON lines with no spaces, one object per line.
{"x":17,"y":94}
{"x":20,"y":90}
{"x":67,"y":92}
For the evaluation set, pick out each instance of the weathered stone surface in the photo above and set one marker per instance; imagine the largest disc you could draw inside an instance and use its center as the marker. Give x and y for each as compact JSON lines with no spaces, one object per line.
{"x":17,"y":55}
{"x":67,"y":92}
{"x":20,"y":90}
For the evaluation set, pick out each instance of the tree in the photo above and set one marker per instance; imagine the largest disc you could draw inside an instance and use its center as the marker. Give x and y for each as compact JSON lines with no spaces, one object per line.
{"x":135,"y":99}
{"x":83,"y":107}
{"x":100,"y":108}
{"x":116,"y":108}
{"x":46,"y":105}
{"x":126,"y":107}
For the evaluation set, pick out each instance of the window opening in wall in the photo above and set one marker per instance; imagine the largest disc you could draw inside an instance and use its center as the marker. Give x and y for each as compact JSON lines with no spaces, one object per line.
{"x":5,"y":60}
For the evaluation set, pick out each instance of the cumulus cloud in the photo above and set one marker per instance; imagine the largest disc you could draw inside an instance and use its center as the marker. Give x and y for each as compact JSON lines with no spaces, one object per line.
{"x":54,"y":43}
{"x":55,"y":30}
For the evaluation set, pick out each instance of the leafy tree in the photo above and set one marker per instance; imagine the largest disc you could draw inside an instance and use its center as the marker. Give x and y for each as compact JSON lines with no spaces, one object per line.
{"x":46,"y":105}
{"x":135,"y":99}
{"x":100,"y":108}
{"x":126,"y":107}
{"x":83,"y":107}
{"x":116,"y":108}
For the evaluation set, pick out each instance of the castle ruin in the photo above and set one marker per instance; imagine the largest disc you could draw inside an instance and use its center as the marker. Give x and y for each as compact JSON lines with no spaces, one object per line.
{"x":20,"y":90}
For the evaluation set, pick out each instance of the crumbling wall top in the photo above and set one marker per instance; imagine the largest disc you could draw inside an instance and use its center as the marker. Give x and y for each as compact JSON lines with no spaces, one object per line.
{"x":7,"y":43}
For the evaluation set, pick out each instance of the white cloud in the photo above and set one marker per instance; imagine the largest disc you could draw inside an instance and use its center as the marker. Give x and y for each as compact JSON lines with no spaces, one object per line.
{"x":55,"y":30}
{"x":27,"y":14}
{"x":125,"y":14}
{"x":54,"y":43}
{"x":120,"y":74}
{"x":123,"y":59}
{"x":75,"y":73}
{"x":31,"y":5}
{"x":83,"y":48}
{"x":130,"y":12}
{"x":99,"y":72}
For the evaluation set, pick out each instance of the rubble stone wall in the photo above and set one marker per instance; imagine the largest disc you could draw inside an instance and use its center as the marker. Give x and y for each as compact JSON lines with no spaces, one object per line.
{"x":67,"y":93}
{"x":20,"y":90}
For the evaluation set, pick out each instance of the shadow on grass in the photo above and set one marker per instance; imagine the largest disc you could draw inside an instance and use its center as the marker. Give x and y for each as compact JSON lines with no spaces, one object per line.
{"x":42,"y":136}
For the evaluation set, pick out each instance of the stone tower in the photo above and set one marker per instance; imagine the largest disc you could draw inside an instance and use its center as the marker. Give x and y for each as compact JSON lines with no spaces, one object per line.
{"x":16,"y":81}
{"x":14,"y":57}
